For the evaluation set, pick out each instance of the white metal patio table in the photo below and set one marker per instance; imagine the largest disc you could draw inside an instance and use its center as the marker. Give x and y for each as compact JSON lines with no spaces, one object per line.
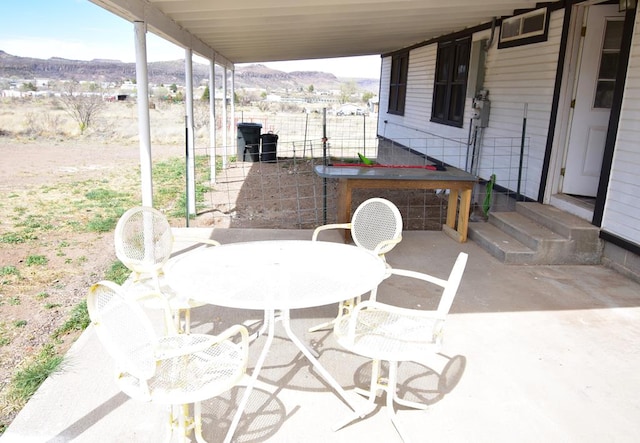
{"x":276,"y":276}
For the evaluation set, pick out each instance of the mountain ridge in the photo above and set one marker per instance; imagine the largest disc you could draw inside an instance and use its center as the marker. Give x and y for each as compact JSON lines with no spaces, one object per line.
{"x":170,"y":72}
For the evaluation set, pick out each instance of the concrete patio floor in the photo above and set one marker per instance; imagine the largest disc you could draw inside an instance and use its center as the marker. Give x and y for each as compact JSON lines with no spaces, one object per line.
{"x":532,"y":353}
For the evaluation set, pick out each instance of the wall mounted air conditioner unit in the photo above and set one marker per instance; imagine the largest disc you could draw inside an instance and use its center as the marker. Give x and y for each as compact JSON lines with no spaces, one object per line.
{"x":524,"y":29}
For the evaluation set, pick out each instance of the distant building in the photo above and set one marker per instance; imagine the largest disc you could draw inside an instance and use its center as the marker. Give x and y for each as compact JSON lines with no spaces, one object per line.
{"x":273,"y":98}
{"x":11,"y":93}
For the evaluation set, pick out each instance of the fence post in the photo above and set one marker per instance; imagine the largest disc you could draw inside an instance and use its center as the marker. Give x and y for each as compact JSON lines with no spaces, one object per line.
{"x":364,"y":134}
{"x":304,"y":147}
{"x":324,"y":162}
{"x":524,"y":129}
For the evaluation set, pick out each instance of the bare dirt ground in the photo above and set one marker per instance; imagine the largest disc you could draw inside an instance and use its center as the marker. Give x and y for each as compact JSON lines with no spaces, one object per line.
{"x":36,"y":298}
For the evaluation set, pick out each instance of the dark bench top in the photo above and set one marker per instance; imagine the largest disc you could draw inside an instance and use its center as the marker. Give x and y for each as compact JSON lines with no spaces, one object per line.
{"x":395,"y":173}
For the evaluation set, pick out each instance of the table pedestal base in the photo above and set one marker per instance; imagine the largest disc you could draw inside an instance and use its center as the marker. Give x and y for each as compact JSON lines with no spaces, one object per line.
{"x":360,"y":407}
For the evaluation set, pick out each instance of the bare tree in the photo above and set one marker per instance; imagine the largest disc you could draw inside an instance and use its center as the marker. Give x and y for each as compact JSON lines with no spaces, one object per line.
{"x":347,"y":90}
{"x":83,"y":107}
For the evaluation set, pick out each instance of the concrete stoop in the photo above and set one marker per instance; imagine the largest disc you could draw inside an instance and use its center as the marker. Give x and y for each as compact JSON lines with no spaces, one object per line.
{"x":538,"y":234}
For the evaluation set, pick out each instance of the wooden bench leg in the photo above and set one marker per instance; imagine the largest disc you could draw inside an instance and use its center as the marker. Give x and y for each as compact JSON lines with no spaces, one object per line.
{"x":463,"y":214}
{"x":452,"y":208}
{"x":344,"y":206}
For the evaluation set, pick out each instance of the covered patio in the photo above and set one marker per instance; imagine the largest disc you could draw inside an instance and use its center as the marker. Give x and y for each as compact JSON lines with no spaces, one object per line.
{"x":532,"y":353}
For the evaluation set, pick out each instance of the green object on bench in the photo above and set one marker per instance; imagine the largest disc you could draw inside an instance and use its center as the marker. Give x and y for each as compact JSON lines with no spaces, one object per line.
{"x":364,"y":159}
{"x":486,"y":205}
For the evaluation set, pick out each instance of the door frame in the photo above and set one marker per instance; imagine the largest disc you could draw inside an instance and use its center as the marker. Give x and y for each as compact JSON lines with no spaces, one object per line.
{"x":551,"y":193}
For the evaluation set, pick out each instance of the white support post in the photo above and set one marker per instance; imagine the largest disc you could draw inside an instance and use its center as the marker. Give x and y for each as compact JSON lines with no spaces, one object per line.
{"x":144,"y":126}
{"x":191,"y":161}
{"x":212,"y":119}
{"x":225,"y":119}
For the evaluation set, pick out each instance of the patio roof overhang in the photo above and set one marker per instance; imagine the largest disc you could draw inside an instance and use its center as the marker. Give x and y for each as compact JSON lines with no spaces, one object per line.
{"x":253,"y":31}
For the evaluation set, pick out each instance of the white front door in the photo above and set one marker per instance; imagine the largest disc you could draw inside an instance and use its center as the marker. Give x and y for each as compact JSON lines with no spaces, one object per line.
{"x":592,"y":100}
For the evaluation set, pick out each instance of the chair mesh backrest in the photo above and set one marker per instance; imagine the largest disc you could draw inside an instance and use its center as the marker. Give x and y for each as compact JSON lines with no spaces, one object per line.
{"x":123,"y":328}
{"x":143,"y":239}
{"x":374,"y":221}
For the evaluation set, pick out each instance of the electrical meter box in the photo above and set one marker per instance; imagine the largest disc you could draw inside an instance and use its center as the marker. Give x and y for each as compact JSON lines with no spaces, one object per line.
{"x":481,"y":108}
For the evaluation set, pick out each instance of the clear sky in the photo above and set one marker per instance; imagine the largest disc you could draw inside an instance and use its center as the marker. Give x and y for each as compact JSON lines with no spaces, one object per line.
{"x":80,"y":30}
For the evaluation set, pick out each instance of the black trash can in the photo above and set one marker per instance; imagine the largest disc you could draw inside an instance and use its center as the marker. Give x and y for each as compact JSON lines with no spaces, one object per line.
{"x":269,"y":147}
{"x":249,"y":142}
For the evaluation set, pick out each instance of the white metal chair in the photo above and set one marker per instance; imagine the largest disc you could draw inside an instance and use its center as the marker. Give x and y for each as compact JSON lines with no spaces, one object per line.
{"x":144,"y":242}
{"x":376,"y":225}
{"x":175,"y":370}
{"x":389,"y":333}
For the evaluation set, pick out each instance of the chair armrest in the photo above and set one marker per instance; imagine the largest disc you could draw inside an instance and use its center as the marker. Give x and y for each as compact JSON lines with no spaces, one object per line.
{"x":419,"y":275}
{"x":317,"y":231}
{"x":387,"y":245}
{"x":369,"y":304}
{"x":234,"y":330}
{"x":375,"y":305}
{"x":163,"y":353}
{"x":412,"y":274}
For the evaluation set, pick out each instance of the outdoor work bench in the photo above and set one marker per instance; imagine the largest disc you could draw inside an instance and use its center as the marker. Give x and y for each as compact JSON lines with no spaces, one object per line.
{"x":458,"y":182}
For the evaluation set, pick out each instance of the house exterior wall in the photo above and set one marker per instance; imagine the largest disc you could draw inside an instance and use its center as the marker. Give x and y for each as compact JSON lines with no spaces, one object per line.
{"x":515,"y":78}
{"x":520,"y":79}
{"x":621,"y":215}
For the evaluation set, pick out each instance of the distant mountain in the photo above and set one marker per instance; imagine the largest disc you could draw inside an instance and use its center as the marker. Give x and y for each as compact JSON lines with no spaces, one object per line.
{"x":168,"y":72}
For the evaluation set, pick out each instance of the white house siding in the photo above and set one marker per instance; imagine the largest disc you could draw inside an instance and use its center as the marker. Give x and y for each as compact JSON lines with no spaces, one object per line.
{"x":622,"y":209}
{"x":513,"y":77}
{"x":414,"y":130}
{"x":519,"y":77}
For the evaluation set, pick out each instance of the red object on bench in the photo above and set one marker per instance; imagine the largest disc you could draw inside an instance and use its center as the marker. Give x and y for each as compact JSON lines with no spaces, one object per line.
{"x":359,"y":165}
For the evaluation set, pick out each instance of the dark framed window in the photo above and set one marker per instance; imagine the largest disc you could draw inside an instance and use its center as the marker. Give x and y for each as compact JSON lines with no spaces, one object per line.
{"x":609,"y":64}
{"x":398,"y":83}
{"x":450,"y":85}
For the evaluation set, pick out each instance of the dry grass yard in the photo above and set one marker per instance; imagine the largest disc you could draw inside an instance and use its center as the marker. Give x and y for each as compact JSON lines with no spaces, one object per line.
{"x":61,"y":193}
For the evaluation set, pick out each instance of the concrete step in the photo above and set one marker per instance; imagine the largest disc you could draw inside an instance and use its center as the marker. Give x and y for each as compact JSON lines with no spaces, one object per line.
{"x":565,"y":224}
{"x":538,"y":234}
{"x":499,"y":244}
{"x":525,"y":230}
{"x":587,"y":246}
